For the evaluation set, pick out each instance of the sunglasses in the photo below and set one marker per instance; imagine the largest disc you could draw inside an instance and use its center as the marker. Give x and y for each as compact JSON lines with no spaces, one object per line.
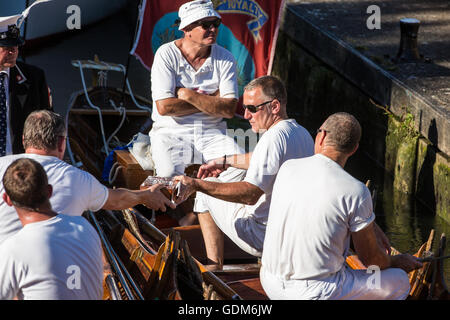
{"x":206,"y":24}
{"x":253,"y":108}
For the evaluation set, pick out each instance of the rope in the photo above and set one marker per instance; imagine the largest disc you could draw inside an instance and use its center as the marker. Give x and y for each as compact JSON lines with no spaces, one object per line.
{"x":131,"y":92}
{"x":116,"y":172}
{"x":93,"y":107}
{"x":124,"y":115}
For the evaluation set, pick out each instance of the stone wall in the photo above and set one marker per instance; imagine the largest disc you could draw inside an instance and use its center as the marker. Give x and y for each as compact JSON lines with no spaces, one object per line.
{"x":410,"y":163}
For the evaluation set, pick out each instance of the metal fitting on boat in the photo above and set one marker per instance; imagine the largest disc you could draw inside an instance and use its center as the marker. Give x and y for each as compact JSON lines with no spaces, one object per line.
{"x":408,"y":50}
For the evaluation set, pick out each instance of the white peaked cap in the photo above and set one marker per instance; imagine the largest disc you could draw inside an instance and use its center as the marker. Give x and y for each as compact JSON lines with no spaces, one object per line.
{"x":9,"y":26}
{"x":7,"y":21}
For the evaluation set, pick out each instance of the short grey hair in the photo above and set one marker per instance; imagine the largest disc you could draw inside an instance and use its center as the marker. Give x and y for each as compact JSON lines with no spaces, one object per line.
{"x":343,"y":131}
{"x":272,"y":87}
{"x":42,"y":129}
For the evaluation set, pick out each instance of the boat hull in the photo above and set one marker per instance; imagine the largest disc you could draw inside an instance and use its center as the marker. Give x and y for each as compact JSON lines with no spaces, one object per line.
{"x":51,"y":18}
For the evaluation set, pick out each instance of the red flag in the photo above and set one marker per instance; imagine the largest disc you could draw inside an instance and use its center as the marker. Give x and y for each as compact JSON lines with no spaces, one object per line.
{"x":249,"y":30}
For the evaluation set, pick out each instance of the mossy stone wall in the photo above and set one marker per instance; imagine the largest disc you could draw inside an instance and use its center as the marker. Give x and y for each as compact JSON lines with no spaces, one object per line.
{"x":315,"y":91}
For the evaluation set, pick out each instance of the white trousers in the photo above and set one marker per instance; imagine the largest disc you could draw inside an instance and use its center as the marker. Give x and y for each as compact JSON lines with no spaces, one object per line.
{"x":347,"y":284}
{"x":175,"y":148}
{"x":235,"y":221}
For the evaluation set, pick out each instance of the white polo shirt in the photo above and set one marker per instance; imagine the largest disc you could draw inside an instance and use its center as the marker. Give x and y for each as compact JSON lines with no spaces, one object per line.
{"x":315,"y":207}
{"x":285,"y":140}
{"x":74,"y":191}
{"x":55,"y":259}
{"x":171,"y":70}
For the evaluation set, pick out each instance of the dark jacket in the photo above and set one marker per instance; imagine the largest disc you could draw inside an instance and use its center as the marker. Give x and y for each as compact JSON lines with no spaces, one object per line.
{"x":28,"y":92}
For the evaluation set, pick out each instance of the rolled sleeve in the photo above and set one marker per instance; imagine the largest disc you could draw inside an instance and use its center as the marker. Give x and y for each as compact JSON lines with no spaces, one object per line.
{"x":162,"y":78}
{"x":228,"y":85}
{"x":363,"y":216}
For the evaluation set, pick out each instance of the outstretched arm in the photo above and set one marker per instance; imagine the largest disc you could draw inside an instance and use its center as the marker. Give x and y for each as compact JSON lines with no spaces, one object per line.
{"x":239,"y":192}
{"x":119,"y":199}
{"x":216,"y":166}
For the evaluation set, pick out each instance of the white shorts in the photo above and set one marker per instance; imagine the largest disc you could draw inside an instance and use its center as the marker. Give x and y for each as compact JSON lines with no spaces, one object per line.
{"x":175,"y":148}
{"x":234,"y":220}
{"x":347,"y":284}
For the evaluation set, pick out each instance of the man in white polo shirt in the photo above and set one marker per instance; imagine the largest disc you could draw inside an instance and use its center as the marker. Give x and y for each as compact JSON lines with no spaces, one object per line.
{"x":316,"y":207}
{"x":74,"y":190}
{"x":194,"y":86}
{"x":54,"y":256}
{"x":240,"y":209}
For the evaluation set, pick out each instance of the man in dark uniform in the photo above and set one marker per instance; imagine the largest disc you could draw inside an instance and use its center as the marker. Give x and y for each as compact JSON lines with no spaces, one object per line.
{"x":23,"y":88}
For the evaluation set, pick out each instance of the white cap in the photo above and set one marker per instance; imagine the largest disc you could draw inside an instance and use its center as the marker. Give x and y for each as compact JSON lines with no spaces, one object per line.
{"x":9,"y":29}
{"x":7,"y":21}
{"x":9,"y":33}
{"x":196,"y":10}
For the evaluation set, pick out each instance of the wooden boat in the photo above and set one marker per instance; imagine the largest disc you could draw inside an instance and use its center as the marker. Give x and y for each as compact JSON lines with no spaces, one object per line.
{"x":40,"y":27}
{"x":144,"y":263}
{"x":101,"y":118}
{"x":428,"y":282}
{"x":239,"y":278}
{"x":155,"y":258}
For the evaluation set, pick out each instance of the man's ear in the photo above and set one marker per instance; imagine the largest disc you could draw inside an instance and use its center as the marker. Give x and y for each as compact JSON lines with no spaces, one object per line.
{"x":354,"y":150}
{"x":50,"y":190}
{"x":276,"y":106}
{"x":321,"y":138}
{"x":7,"y":199}
{"x":61,"y":144}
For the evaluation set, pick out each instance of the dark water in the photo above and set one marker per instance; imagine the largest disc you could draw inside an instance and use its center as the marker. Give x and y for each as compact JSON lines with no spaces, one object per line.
{"x":406,"y":221}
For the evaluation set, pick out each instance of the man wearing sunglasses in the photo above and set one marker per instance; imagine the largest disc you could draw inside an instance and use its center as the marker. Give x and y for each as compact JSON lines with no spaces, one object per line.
{"x":240,"y":209}
{"x":194,"y":86}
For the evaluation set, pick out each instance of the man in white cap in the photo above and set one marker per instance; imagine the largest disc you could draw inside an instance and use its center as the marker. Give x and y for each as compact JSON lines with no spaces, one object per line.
{"x":194,"y":86}
{"x":23,"y":88}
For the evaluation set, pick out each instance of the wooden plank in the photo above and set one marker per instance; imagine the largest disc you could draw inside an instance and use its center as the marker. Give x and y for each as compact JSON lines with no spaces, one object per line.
{"x":131,"y":175}
{"x":126,"y":159}
{"x":88,"y":163}
{"x":193,"y":235}
{"x":249,"y":289}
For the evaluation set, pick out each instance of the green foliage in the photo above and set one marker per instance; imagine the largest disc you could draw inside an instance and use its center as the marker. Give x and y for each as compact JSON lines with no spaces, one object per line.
{"x":405,"y":126}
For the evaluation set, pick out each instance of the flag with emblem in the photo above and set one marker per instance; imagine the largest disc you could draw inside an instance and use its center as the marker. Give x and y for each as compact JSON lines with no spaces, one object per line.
{"x":249,"y":31}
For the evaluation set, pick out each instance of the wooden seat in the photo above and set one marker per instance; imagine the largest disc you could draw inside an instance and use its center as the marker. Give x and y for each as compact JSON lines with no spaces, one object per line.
{"x":131,"y":175}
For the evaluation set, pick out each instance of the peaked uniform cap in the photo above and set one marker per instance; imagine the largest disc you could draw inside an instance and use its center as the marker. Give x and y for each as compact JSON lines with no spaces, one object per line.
{"x":193,"y":11}
{"x":9,"y":32}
